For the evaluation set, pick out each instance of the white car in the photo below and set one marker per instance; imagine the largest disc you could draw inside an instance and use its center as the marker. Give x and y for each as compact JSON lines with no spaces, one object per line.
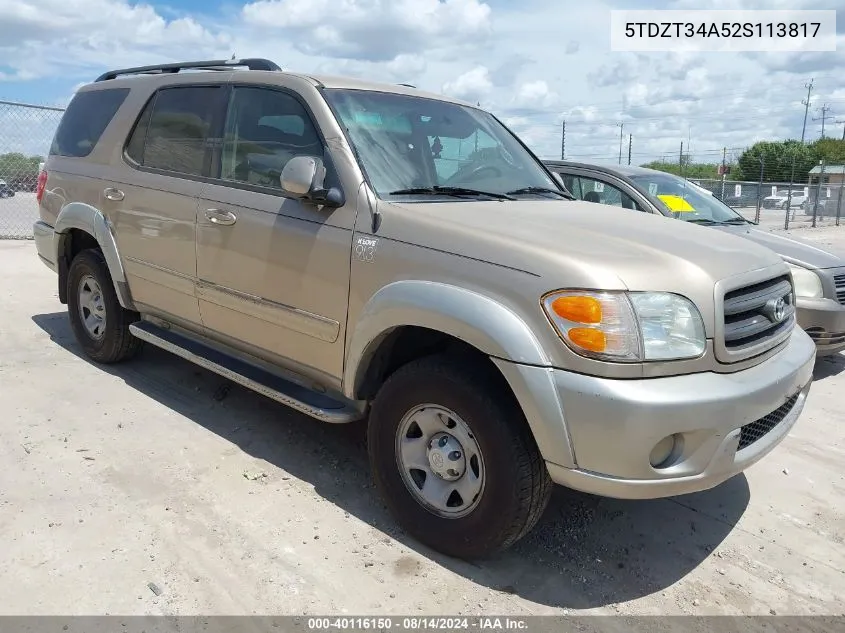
{"x":779,"y":200}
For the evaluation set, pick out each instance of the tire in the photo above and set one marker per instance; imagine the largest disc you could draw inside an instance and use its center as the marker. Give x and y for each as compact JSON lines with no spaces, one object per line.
{"x":516,"y":484}
{"x":111,"y":342}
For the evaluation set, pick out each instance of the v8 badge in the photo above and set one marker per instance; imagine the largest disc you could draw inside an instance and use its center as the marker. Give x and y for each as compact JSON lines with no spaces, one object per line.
{"x":365,"y":249}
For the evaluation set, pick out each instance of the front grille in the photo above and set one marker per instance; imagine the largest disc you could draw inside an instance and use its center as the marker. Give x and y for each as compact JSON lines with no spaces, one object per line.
{"x":751,"y":314}
{"x":759,"y":428}
{"x":839,"y":282}
{"x":822,"y":337}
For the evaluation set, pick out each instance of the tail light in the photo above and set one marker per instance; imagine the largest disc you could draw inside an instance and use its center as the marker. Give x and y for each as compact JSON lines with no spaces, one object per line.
{"x":42,"y":184}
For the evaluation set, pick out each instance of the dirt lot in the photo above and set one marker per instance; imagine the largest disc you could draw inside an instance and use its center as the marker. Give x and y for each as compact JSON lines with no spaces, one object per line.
{"x":157,"y":472}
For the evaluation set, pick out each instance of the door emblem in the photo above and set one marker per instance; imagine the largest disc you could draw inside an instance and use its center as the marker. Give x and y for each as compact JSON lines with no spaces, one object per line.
{"x":365,"y":249}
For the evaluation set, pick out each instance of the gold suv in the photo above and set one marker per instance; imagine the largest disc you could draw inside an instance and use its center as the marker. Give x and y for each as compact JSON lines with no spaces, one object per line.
{"x":355,"y":250}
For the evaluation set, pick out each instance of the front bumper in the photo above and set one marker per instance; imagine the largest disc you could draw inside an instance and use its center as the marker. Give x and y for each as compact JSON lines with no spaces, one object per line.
{"x":722,"y":423}
{"x":44,"y":235}
{"x":824,"y":321}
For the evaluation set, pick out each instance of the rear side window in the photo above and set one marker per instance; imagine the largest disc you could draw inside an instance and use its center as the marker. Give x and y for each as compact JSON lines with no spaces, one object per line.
{"x":172,"y":132}
{"x":85,"y":120}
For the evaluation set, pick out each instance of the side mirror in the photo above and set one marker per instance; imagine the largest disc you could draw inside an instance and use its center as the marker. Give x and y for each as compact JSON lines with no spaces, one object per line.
{"x":302,"y":179}
{"x":559,"y":179}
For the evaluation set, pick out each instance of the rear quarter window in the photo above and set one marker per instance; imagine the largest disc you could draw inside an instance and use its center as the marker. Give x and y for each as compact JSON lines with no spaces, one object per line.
{"x":85,"y":120}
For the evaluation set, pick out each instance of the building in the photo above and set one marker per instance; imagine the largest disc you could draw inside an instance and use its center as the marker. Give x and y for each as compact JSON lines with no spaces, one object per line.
{"x":833,"y":175}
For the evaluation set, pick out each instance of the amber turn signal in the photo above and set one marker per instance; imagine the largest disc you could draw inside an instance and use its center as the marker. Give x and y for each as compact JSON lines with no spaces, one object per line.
{"x":588,"y":338}
{"x":578,"y":309}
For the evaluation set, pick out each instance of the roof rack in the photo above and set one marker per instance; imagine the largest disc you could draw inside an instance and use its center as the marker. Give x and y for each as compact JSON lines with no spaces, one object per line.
{"x":407,"y":85}
{"x":219,"y":64}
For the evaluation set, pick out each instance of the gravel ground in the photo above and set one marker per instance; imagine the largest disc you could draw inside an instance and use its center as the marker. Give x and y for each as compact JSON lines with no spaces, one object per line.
{"x":155,"y":487}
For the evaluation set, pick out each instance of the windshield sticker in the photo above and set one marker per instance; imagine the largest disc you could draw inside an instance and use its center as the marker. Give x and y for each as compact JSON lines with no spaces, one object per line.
{"x":652,"y":188}
{"x":676,"y":203}
{"x":598,"y":186}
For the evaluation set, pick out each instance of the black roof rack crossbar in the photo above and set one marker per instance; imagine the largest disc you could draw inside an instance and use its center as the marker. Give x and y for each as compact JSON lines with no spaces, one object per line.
{"x":218,"y":64}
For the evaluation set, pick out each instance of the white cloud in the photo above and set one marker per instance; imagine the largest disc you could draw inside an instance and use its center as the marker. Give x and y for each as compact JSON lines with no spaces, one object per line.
{"x":529,"y":62}
{"x":472,"y":85}
{"x":371,"y":29}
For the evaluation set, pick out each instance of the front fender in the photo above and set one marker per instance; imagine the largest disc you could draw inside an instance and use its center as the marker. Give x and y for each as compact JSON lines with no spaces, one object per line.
{"x":480,"y":321}
{"x":78,"y":215}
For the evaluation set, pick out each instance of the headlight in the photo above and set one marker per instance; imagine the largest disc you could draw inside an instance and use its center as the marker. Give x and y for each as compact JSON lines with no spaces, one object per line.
{"x":807,"y":283}
{"x":627,"y":327}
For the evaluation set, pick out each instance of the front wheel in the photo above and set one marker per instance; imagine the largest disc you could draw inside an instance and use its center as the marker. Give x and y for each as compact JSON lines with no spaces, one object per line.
{"x":454,"y":458}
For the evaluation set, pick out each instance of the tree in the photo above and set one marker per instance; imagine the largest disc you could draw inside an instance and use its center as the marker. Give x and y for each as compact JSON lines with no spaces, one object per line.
{"x":16,"y":165}
{"x":690,"y":170}
{"x":832,"y":150}
{"x":777,"y":161}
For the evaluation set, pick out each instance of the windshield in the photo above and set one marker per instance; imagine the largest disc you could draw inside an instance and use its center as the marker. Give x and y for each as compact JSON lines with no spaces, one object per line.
{"x":412,"y":143}
{"x":684,"y":200}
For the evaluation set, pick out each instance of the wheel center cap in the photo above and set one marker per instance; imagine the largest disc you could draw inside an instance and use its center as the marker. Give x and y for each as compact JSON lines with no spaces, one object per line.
{"x":446,"y":457}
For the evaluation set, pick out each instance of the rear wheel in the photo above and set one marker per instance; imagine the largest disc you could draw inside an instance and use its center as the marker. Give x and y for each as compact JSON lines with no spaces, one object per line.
{"x":454,"y":459}
{"x":100,"y":324}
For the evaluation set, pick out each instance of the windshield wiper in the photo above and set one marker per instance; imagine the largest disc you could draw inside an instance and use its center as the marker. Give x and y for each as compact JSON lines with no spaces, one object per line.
{"x":557,"y":192}
{"x":438,"y":190}
{"x":735,"y":221}
{"x":705,"y":221}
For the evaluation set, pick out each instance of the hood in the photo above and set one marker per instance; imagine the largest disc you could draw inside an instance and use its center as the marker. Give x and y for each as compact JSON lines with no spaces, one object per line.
{"x":579,"y":244}
{"x":792,"y":250}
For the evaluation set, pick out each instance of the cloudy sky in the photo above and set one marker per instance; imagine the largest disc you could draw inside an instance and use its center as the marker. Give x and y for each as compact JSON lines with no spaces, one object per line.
{"x":532,"y":62}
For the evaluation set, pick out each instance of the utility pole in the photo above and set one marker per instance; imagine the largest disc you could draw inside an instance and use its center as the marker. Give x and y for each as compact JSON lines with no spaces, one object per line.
{"x":724,"y":168}
{"x":824,"y":110}
{"x":630,"y":143}
{"x":818,"y":192}
{"x":806,"y":104}
{"x":621,"y":125}
{"x":843,"y":128}
{"x":563,"y":140}
{"x":681,"y":159}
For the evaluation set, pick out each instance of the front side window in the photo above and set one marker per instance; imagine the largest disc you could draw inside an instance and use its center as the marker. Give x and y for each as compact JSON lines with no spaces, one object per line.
{"x":406,"y":142}
{"x":685,"y":200}
{"x":173,"y":131}
{"x":264,"y":130}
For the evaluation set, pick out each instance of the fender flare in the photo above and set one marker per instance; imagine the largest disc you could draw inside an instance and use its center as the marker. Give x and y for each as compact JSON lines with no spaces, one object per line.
{"x":78,"y":215}
{"x":474,"y":318}
{"x":480,"y":321}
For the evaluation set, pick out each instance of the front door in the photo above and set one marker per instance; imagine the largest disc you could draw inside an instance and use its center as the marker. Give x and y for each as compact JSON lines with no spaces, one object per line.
{"x":273,"y":273}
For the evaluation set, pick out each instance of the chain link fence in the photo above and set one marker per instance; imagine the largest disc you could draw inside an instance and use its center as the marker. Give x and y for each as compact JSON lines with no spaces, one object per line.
{"x":777,"y":191}
{"x":26,"y":132}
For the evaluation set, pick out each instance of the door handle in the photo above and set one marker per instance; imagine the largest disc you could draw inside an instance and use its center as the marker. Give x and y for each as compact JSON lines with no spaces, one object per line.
{"x":216,"y":216}
{"x":113,"y":194}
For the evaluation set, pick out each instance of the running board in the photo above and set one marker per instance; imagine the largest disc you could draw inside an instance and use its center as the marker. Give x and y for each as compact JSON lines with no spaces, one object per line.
{"x":286,"y":392}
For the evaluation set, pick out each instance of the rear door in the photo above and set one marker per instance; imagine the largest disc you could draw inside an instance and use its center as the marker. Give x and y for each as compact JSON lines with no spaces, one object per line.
{"x":168,"y":154}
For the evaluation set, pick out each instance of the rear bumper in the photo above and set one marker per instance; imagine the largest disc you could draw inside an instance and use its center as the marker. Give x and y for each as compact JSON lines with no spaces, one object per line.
{"x":719,"y":425}
{"x":824,"y":321}
{"x":44,"y":236}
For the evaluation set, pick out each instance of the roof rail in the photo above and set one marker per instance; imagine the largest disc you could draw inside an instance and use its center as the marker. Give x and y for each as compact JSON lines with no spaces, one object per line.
{"x":220,"y":64}
{"x":407,"y":85}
